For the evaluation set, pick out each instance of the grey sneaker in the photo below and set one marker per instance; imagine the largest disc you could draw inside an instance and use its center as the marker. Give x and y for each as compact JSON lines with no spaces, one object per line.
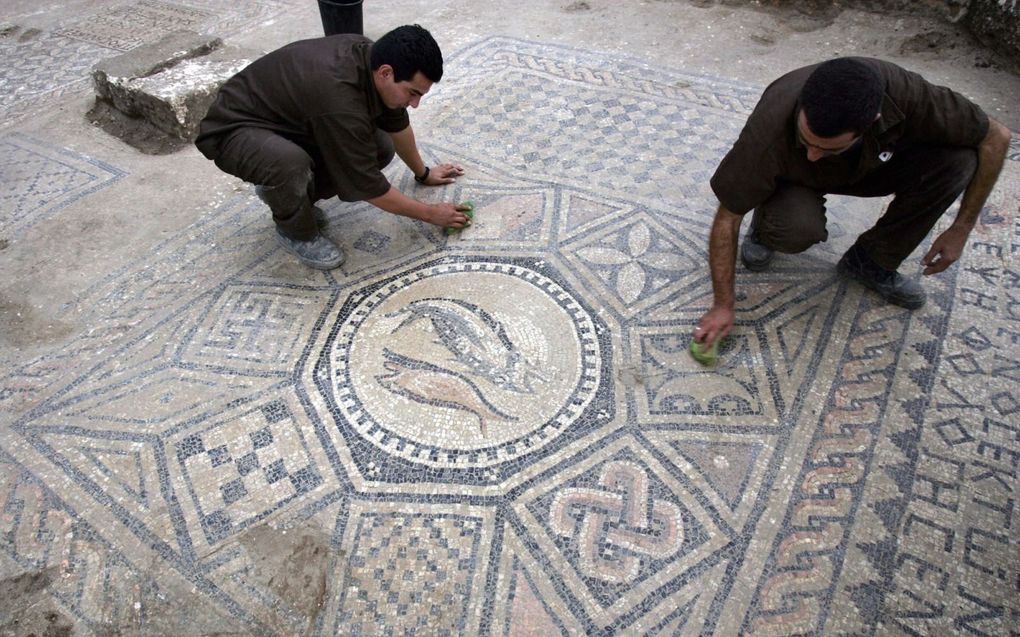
{"x":890,"y":285}
{"x":321,"y":220}
{"x":755,"y":256}
{"x":319,"y":253}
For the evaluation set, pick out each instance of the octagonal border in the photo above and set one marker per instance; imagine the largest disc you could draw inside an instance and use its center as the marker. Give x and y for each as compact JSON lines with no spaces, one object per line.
{"x":373,"y":464}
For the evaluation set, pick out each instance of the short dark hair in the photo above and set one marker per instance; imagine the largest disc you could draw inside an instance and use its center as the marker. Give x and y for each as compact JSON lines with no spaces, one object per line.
{"x":409,"y":49}
{"x":842,"y":96}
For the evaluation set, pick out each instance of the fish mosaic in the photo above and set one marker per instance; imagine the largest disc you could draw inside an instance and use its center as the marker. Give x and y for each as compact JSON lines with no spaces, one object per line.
{"x":476,"y":340}
{"x":432,"y":385}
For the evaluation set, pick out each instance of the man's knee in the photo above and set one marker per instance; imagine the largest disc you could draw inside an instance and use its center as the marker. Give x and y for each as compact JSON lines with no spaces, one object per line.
{"x":289,"y":193}
{"x":264,"y":158}
{"x":792,"y":220}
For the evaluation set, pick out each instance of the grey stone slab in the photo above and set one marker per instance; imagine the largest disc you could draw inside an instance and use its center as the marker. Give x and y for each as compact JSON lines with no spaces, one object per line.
{"x":169,"y":84}
{"x":109,"y":75}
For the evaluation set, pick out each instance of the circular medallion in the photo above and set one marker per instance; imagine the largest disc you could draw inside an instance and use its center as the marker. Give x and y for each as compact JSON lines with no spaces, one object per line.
{"x":465,"y":364}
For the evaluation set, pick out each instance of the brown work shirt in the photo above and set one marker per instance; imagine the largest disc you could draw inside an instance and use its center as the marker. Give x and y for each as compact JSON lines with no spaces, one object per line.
{"x":319,"y":94}
{"x":769,"y":152}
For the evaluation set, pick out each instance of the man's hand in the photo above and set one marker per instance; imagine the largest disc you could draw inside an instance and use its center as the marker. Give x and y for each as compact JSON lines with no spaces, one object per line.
{"x":716,"y":323}
{"x":948,"y":246}
{"x":447,"y":215}
{"x":945,"y":250}
{"x":443,"y":174}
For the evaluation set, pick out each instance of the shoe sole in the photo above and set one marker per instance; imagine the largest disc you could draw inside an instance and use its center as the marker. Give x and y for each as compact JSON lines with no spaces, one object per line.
{"x":315,"y":265}
{"x":910,"y":304}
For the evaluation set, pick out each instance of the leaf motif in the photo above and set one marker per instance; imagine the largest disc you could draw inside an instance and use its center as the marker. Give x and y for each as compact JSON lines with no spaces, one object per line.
{"x":664,"y":261}
{"x":604,"y":256}
{"x":630,"y":282}
{"x":639,"y":240}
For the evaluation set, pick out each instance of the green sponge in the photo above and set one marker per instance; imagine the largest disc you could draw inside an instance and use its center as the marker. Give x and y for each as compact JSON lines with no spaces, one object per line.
{"x":705,"y":355}
{"x":470,"y":213}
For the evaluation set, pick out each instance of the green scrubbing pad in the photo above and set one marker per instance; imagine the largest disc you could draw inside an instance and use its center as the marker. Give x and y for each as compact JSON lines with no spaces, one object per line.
{"x":705,"y":355}
{"x":470,"y":213}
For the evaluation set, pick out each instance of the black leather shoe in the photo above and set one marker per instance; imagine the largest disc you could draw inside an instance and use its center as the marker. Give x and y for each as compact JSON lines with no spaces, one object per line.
{"x":755,"y":256}
{"x":890,"y":285}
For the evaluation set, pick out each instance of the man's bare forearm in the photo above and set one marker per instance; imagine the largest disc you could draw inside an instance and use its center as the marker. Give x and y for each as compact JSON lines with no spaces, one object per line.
{"x":400,"y":204}
{"x":722,"y":255}
{"x":407,"y":149}
{"x":991,"y":155}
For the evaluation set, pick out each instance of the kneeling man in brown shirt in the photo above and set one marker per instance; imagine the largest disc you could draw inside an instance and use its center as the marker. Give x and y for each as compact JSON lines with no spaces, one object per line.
{"x":321,"y":118}
{"x":860,"y":127}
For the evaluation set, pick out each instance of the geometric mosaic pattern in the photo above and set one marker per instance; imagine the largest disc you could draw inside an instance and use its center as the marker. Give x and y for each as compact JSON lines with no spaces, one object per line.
{"x":501,"y":430}
{"x":39,"y":181}
{"x":37,"y":66}
{"x":437,"y":553}
{"x":245,"y":478}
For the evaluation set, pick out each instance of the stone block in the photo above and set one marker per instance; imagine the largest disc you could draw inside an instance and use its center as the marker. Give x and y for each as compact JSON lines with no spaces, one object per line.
{"x":171,"y":83}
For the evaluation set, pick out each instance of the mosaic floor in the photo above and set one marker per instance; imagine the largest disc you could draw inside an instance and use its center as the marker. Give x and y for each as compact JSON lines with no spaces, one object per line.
{"x":38,"y":66}
{"x":501,"y":432}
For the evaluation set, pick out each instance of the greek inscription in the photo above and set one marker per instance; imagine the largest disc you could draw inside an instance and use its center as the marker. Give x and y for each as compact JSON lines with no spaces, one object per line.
{"x":989,"y":248}
{"x":1005,"y":403}
{"x":975,"y":339}
{"x":963,"y":404}
{"x":999,"y":453}
{"x":990,"y":274}
{"x":1003,"y":477}
{"x":1012,"y":308}
{"x":1006,"y":511}
{"x":965,"y":364}
{"x":990,"y":426}
{"x":921,"y":569}
{"x":973,"y":547}
{"x":1014,"y":337}
{"x":953,"y":432}
{"x":945,"y":466}
{"x":966,"y":622}
{"x":1010,"y":368}
{"x":979,"y":299}
{"x":932,"y":611}
{"x":939,"y":493}
{"x":930,"y":529}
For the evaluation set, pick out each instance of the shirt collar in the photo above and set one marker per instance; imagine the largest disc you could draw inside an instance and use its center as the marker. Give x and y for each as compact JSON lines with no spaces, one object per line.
{"x":891,"y":116}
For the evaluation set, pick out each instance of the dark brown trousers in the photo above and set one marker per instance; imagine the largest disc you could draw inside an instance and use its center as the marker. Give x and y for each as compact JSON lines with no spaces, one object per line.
{"x":925,"y":180}
{"x":293,"y":177}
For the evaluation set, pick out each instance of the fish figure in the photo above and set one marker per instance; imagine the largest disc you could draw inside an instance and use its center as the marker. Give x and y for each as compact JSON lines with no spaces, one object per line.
{"x":432,"y":385}
{"x":477,"y":341}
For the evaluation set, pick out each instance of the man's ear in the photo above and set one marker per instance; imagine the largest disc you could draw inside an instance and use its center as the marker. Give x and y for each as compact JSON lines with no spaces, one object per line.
{"x":385,"y":71}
